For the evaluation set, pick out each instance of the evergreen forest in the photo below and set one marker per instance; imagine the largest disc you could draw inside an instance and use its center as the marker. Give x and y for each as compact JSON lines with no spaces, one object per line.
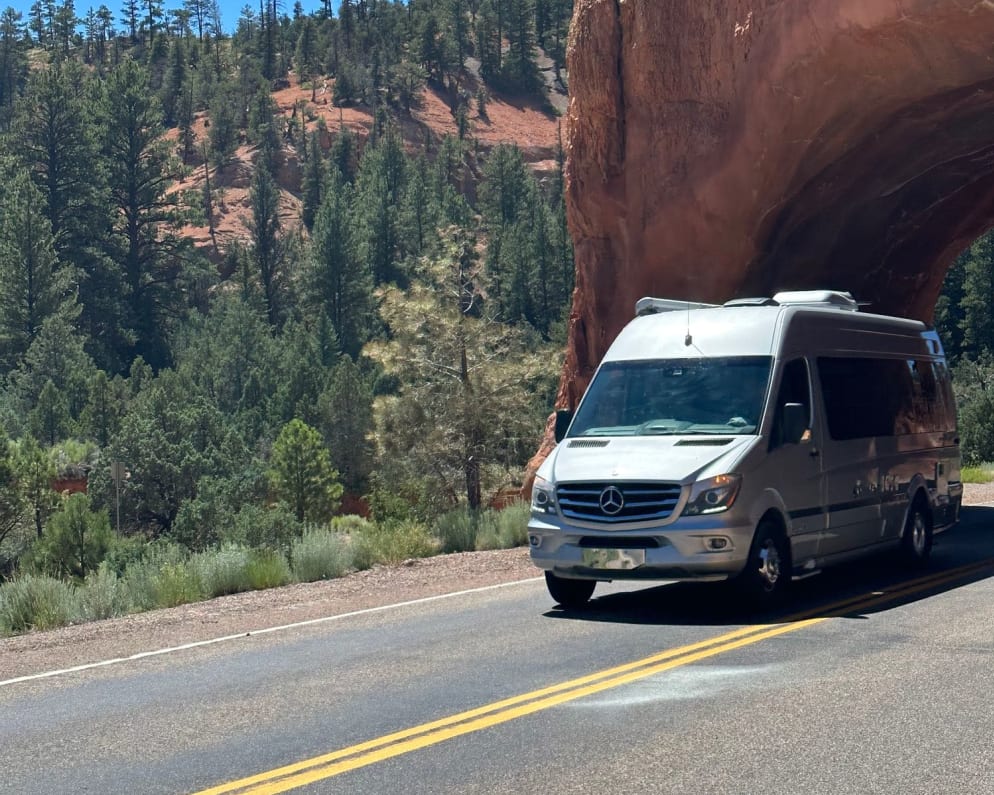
{"x":381,"y":336}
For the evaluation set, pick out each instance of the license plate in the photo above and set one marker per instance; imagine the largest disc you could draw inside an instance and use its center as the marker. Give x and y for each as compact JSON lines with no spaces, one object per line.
{"x":613,"y":558}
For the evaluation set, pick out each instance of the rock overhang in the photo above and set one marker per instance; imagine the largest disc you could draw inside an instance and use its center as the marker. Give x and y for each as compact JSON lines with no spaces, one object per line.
{"x":722,"y":148}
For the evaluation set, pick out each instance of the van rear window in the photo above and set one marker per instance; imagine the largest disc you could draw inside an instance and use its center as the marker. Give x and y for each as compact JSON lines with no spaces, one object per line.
{"x":867,"y":397}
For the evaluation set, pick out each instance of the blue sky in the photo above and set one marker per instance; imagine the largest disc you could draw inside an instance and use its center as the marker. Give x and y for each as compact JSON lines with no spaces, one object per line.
{"x":230,"y":9}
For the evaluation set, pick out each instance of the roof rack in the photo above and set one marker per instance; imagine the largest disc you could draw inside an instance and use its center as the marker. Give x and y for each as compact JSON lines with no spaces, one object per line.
{"x":652,"y":306}
{"x":822,"y":298}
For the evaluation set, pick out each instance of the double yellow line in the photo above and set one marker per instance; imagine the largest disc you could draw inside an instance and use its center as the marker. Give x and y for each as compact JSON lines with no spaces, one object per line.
{"x":335,"y":763}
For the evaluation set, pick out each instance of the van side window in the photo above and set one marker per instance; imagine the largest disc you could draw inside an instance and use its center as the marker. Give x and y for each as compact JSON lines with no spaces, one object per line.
{"x":884,"y":397}
{"x":795,"y":387}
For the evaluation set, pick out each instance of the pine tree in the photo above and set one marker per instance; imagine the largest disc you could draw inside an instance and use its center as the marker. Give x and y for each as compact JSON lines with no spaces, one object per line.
{"x":302,"y":475}
{"x":300,"y":374}
{"x":488,"y":41}
{"x":35,"y":472}
{"x":379,"y":190}
{"x":266,"y":248}
{"x":49,"y":419}
{"x":313,"y":181}
{"x":107,"y":402}
{"x":33,"y":285}
{"x":64,"y":26}
{"x":465,"y":402}
{"x":13,"y":506}
{"x":77,"y":541}
{"x":130,"y":12}
{"x":140,"y":171}
{"x":305,"y":56}
{"x":338,"y":285}
{"x":457,"y":29}
{"x":223,"y":132}
{"x":57,"y":355}
{"x":13,"y":60}
{"x":346,"y":419}
{"x":344,"y":155}
{"x":520,"y":69}
{"x":977,"y":322}
{"x":172,"y":87}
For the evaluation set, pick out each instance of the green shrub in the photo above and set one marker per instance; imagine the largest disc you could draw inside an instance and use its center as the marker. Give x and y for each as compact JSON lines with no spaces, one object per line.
{"x":350,"y":524}
{"x":223,"y":571}
{"x":103,"y":594}
{"x":267,"y":568}
{"x":272,"y":528}
{"x":512,"y":524}
{"x":176,"y":584}
{"x":165,"y":577}
{"x":319,"y":555}
{"x":504,"y":529}
{"x":392,"y":543}
{"x":36,"y":602}
{"x":457,"y":530}
{"x":981,"y":473}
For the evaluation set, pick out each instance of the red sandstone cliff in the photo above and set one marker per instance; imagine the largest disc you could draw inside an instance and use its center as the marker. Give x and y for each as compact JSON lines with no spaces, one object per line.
{"x":721,"y":148}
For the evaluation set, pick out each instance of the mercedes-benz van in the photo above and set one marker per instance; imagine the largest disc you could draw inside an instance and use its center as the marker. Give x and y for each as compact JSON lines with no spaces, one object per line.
{"x":756,"y":441}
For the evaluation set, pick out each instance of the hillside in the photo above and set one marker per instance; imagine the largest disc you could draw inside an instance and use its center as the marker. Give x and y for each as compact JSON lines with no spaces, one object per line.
{"x":533,"y":126}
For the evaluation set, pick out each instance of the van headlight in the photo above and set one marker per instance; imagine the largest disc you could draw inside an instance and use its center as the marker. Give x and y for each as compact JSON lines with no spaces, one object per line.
{"x":713,"y":495}
{"x":543,"y":497}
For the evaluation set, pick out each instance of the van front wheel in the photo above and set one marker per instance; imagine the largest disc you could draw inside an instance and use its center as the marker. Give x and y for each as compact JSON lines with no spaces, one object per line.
{"x":569,"y":593}
{"x":767,"y":574}
{"x":916,"y":543}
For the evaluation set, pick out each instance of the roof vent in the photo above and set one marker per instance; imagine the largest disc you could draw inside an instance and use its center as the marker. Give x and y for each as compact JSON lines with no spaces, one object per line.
{"x":834,"y":298}
{"x":750,"y":302}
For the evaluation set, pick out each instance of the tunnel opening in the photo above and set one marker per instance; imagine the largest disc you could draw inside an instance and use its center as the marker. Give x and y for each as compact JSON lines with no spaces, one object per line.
{"x":887,"y":218}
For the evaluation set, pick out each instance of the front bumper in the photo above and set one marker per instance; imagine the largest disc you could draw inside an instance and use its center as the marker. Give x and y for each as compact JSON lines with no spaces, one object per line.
{"x":677,"y":551}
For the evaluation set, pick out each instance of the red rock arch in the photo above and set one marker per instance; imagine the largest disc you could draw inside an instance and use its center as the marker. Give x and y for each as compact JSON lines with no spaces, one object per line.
{"x":721,"y":148}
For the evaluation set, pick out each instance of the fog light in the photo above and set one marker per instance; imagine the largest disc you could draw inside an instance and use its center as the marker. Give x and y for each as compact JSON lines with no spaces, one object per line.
{"x":534,"y":540}
{"x":717,"y":544}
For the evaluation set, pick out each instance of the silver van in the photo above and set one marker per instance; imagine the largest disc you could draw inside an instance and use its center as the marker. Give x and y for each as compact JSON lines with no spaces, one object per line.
{"x":756,"y":441}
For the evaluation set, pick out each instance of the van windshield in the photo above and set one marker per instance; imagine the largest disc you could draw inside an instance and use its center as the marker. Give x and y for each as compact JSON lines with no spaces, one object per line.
{"x":722,"y":395}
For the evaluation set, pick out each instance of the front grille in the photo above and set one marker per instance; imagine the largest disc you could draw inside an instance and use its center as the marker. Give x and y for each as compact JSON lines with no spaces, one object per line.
{"x":643,"y":502}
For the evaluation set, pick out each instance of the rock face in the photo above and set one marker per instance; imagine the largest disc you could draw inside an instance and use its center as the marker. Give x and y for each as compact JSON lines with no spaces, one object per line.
{"x":724,"y":148}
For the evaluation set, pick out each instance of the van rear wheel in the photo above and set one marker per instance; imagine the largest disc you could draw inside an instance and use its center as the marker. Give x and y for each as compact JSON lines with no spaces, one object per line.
{"x":916,"y":542}
{"x":569,"y":593}
{"x":765,"y":579}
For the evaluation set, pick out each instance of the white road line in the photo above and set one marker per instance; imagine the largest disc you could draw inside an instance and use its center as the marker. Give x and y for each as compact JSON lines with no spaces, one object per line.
{"x":264,"y":631}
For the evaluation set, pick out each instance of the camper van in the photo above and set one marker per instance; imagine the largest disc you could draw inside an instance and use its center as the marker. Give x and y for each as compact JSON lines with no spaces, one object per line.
{"x":756,"y":442}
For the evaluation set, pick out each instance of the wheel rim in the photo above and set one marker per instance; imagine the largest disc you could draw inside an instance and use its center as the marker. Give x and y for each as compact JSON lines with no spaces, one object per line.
{"x":919,"y":534}
{"x":769,"y":564}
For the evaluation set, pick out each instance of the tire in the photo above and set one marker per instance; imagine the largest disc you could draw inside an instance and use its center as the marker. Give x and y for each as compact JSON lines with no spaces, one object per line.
{"x":569,"y":593}
{"x":766,"y":577}
{"x":916,"y":540}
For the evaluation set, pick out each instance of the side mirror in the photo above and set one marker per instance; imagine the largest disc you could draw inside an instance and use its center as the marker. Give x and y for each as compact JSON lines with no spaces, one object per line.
{"x":563,"y":418}
{"x":795,"y":422}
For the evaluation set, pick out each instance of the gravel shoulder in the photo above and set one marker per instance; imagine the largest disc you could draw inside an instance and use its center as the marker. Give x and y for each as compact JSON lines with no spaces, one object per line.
{"x":244,"y":613}
{"x":247,"y":612}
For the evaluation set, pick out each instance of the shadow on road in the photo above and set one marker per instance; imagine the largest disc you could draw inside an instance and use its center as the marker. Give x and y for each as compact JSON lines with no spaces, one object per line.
{"x":881,"y":579}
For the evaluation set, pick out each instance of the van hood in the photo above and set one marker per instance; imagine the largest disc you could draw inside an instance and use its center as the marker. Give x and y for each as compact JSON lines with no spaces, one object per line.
{"x":652,"y":458}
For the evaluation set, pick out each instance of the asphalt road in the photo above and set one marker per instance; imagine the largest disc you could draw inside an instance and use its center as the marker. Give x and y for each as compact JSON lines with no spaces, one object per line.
{"x":873,"y":680}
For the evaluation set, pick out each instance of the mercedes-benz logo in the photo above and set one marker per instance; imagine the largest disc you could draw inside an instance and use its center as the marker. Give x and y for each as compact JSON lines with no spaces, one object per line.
{"x":612,"y":501}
